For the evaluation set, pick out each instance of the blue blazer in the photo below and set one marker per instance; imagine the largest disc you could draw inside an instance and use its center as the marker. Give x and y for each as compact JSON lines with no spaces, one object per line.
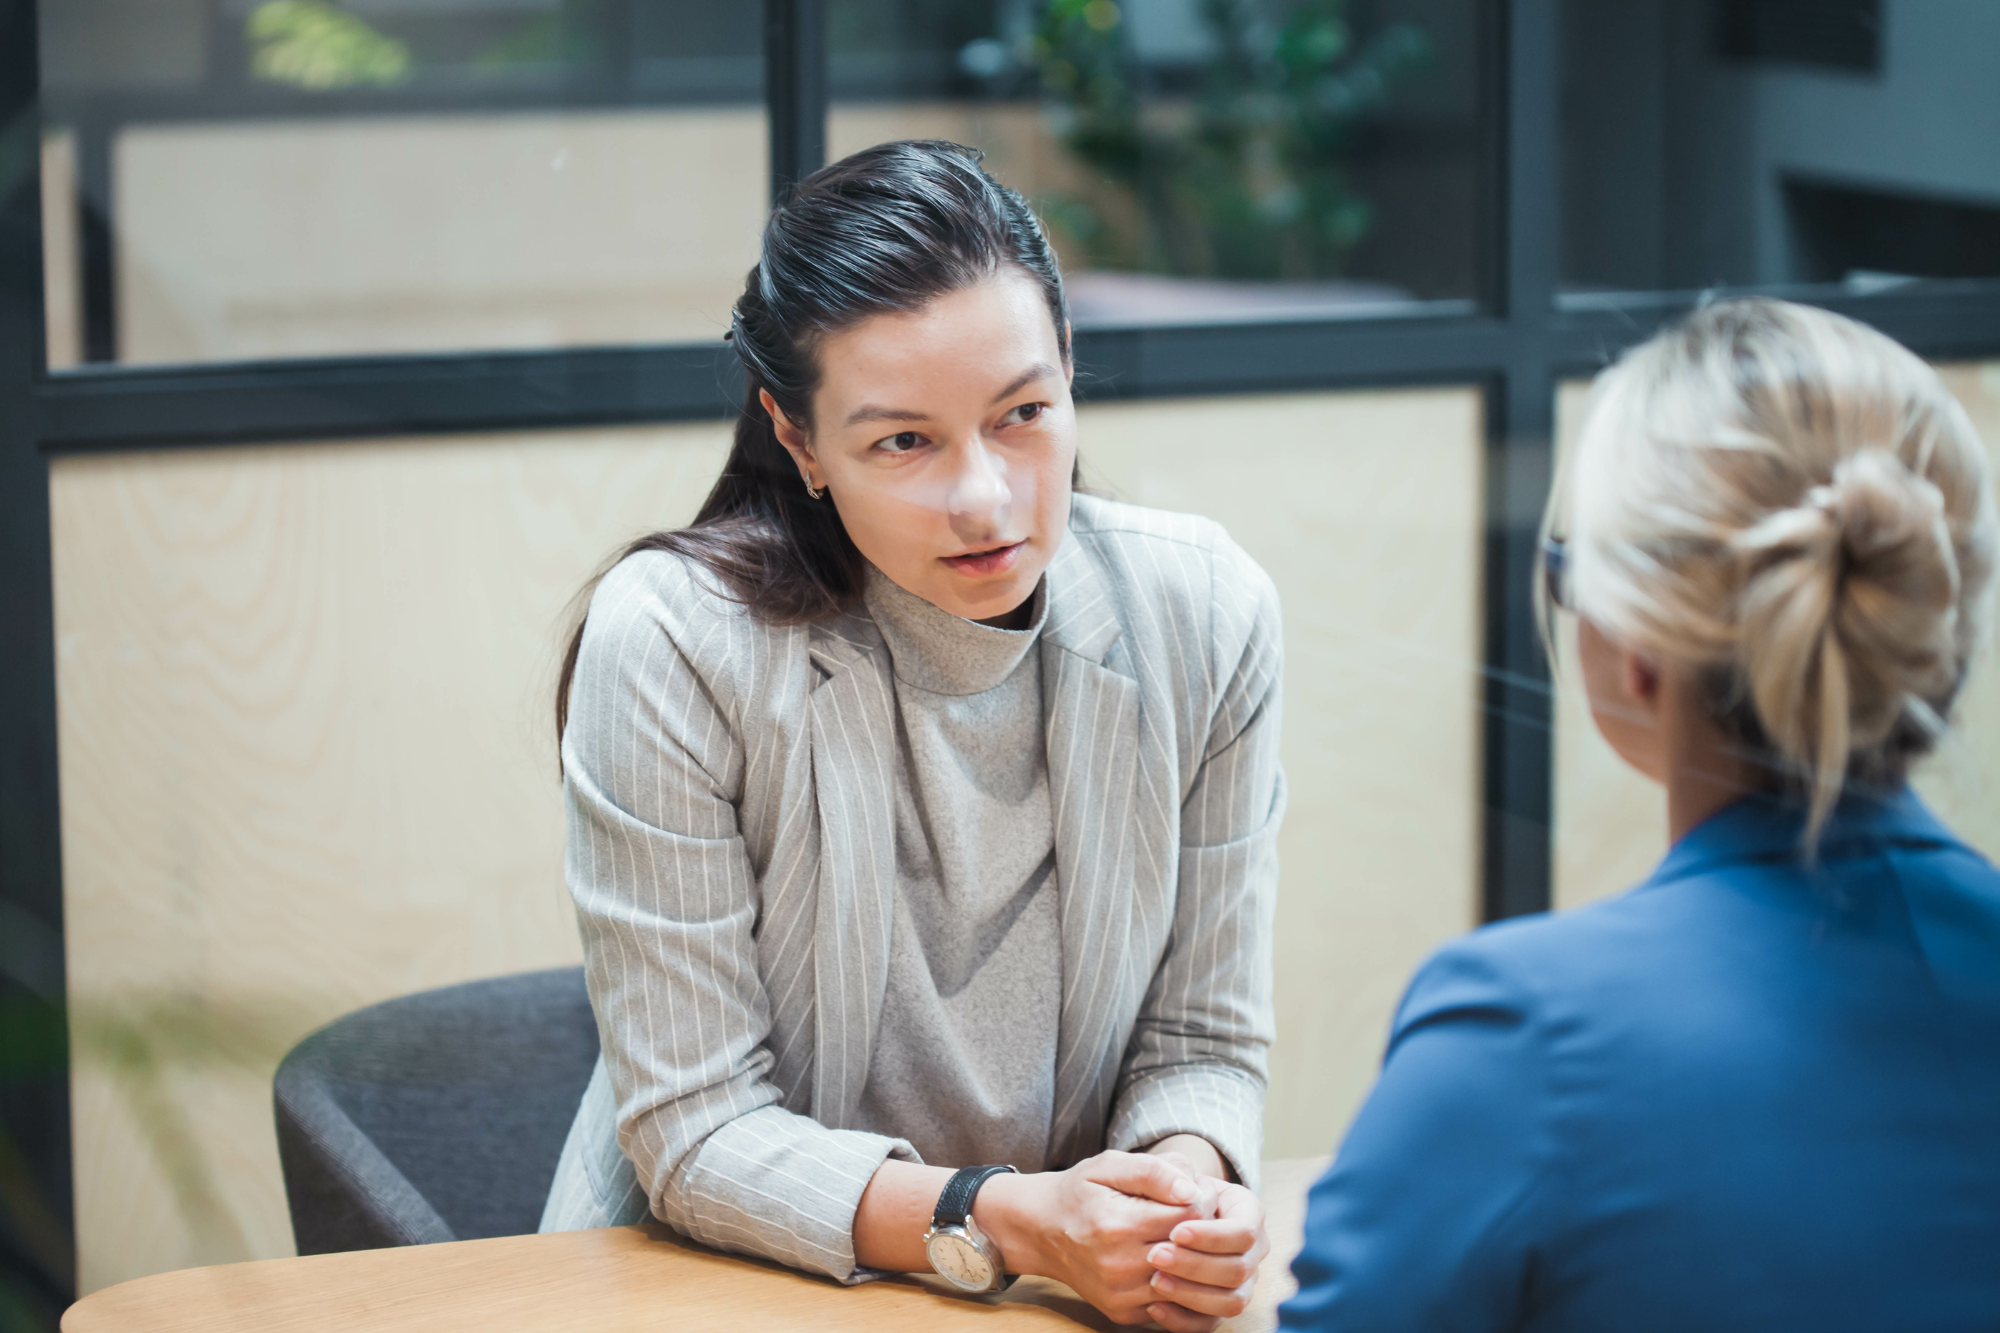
{"x":1749,"y":1094}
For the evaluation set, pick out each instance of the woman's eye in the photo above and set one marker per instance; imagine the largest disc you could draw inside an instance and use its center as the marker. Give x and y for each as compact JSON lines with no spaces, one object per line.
{"x":1024,"y":414}
{"x":900,"y":443}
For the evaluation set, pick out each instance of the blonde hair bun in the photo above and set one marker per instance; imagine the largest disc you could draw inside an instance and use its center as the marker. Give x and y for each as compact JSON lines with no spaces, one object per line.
{"x":1848,"y":615}
{"x":1793,"y":504}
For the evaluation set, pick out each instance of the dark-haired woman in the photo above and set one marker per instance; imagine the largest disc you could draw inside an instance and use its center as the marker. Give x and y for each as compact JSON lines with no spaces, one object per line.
{"x":922,"y":813}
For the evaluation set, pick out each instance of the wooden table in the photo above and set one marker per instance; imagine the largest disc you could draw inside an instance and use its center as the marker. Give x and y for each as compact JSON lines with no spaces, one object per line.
{"x":620,"y":1278}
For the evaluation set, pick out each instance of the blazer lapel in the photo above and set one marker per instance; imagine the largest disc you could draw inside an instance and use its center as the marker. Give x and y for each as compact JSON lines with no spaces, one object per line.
{"x":853,"y":746}
{"x":1091,"y":713}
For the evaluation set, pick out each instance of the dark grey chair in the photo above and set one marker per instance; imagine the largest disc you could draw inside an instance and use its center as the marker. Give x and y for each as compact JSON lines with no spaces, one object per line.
{"x":438,"y":1116}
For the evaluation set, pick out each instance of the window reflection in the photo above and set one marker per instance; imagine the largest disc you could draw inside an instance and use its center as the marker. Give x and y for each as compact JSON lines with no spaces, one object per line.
{"x":255,"y":179}
{"x":1809,"y":144}
{"x":1199,"y":159}
{"x":250,"y":179}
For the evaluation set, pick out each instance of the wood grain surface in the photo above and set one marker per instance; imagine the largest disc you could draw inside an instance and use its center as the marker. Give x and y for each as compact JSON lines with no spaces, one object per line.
{"x":609,"y":1280}
{"x":307,"y":763}
{"x":62,"y":270}
{"x":289,"y":237}
{"x":1367,"y":509}
{"x":433,"y":233}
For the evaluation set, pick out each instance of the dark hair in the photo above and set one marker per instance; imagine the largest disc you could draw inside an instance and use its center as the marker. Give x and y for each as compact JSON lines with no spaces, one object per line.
{"x":889,"y":228}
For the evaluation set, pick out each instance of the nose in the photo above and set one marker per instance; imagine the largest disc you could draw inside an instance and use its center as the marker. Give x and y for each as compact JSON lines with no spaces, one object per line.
{"x":980,"y":498}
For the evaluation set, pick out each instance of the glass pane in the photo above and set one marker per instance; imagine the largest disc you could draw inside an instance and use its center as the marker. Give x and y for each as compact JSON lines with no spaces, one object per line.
{"x":1789,"y":144}
{"x":1198,"y":159}
{"x":247,"y":179}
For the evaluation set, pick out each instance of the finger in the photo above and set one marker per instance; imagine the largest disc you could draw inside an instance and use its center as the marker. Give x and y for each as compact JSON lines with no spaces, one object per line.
{"x":1209,"y":1190}
{"x":1180,"y":1319}
{"x":1145,"y":1176}
{"x":1234,"y":1205}
{"x":1223,"y":1302}
{"x":1211,"y":1270}
{"x":1223,"y":1236}
{"x":1139,"y":1222}
{"x":1237,"y":1202}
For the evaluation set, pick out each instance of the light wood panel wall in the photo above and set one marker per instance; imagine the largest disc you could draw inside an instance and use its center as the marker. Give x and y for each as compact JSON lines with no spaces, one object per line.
{"x":387,"y":234}
{"x":62,"y":267}
{"x":1611,"y":823}
{"x":1020,"y":143}
{"x":307,"y":761}
{"x":1366,"y":509}
{"x":310,"y":238}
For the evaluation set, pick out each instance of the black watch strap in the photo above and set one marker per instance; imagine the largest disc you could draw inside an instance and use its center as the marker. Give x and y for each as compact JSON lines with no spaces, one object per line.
{"x":956,"y":1202}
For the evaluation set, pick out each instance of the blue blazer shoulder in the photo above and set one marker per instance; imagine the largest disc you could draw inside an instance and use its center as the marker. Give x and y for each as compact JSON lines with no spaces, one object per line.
{"x":1749,"y":1094}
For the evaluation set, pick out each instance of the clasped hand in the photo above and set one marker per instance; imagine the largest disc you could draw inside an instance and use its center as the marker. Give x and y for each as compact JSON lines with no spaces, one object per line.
{"x":1139,"y":1236}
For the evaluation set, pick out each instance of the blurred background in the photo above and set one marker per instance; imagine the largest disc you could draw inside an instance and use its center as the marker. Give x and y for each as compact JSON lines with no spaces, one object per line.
{"x":340,"y":340}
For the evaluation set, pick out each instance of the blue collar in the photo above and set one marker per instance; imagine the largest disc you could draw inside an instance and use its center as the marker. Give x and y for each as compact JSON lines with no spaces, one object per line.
{"x":1767,"y":828}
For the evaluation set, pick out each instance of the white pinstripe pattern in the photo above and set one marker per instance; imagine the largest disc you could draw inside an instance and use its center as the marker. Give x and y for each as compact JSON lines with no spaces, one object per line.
{"x":732,"y":861}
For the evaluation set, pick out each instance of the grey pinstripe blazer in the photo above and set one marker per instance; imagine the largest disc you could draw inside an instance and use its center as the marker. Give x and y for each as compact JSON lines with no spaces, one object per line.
{"x":733,"y":865}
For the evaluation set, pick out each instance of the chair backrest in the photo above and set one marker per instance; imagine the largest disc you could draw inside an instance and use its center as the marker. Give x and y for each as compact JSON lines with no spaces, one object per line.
{"x":437,"y":1116}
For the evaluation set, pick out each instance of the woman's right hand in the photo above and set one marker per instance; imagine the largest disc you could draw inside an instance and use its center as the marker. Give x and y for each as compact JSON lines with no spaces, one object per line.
{"x":1091,"y":1227}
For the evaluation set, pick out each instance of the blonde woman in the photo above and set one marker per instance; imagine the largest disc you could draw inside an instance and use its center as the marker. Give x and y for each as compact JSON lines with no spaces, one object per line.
{"x":1761,"y":1090}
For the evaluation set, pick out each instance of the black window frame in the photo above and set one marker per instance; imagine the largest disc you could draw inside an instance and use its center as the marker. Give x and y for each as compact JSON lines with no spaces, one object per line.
{"x":1516,"y":344}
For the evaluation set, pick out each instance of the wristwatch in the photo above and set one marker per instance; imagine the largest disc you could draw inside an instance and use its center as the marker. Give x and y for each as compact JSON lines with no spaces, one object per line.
{"x":962,"y":1254}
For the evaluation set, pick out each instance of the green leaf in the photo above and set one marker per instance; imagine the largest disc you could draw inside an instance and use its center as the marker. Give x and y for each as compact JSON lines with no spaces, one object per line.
{"x":1245,"y":179}
{"x":310,"y":44}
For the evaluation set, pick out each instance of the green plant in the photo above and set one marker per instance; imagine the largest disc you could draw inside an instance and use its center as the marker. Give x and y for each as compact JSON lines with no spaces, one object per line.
{"x":544,"y":39}
{"x":146,"y":1042}
{"x":1244,"y":176}
{"x":313,"y":45}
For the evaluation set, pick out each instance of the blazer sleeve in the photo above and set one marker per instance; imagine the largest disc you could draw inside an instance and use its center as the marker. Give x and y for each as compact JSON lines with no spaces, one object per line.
{"x":665,"y":901}
{"x":1427,"y":1219}
{"x":1197,"y":1060}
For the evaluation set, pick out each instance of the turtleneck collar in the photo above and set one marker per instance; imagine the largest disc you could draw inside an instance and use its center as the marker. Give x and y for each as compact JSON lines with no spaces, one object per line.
{"x":937,"y":651}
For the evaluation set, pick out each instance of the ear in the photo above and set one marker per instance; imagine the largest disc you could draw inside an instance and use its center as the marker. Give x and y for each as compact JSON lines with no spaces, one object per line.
{"x":794,"y":438}
{"x":1640,"y":676}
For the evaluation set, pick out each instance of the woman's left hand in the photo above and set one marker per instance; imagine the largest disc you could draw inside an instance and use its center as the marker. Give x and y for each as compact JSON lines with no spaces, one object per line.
{"x":1207,"y":1270}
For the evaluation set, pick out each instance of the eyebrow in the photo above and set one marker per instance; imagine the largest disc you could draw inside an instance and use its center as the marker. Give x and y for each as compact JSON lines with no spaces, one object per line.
{"x":870,"y":412}
{"x":1026,"y":377}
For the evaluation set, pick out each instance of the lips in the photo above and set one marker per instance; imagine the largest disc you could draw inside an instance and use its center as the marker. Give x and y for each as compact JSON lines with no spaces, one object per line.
{"x":995,"y":560}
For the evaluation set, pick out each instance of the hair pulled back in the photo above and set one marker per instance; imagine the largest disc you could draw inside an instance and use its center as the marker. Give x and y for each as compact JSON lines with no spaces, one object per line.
{"x":887,"y":229}
{"x":1795,"y":506}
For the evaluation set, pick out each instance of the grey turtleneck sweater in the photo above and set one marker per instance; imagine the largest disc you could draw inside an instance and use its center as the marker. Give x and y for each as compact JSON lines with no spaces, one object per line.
{"x":964,"y":1064}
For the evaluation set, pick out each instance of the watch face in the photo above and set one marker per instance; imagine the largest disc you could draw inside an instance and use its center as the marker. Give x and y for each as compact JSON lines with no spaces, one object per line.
{"x":959,"y":1261}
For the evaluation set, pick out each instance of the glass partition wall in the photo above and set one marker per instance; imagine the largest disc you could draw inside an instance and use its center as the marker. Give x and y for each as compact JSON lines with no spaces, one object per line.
{"x":457,"y":270}
{"x":1820,"y":150}
{"x":1201,"y":161}
{"x":264,"y":179}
